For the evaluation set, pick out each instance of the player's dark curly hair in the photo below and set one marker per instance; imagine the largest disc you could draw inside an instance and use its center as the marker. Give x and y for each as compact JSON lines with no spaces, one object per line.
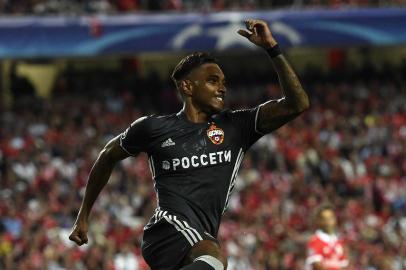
{"x":190,"y":62}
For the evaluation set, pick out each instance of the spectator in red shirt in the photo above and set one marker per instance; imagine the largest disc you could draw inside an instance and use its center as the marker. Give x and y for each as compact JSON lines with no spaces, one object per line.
{"x":325,"y":248}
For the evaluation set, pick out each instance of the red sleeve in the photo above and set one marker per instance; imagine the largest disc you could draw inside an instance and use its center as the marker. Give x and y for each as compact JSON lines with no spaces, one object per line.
{"x":314,"y":251}
{"x":344,"y":256}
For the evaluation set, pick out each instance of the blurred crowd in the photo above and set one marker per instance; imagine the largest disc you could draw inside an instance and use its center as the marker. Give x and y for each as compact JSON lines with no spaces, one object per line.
{"x":349,"y":149}
{"x":18,"y":7}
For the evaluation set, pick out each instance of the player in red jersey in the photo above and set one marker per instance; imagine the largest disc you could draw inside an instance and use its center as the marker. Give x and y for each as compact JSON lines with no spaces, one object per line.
{"x":325,"y":248}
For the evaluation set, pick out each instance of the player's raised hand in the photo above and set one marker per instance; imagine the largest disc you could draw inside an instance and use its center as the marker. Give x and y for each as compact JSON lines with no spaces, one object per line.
{"x":258,"y":33}
{"x":79,"y":233}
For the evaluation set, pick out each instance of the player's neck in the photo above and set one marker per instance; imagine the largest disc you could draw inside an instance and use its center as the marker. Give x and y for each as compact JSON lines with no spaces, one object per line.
{"x":329,"y":232}
{"x":194,"y":114}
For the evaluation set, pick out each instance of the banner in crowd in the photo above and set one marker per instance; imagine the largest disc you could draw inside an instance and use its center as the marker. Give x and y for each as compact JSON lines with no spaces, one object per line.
{"x":127,"y":34}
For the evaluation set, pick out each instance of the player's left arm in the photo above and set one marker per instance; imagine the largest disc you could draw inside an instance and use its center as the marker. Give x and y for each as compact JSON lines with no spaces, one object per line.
{"x":275,"y":113}
{"x":345,"y":259}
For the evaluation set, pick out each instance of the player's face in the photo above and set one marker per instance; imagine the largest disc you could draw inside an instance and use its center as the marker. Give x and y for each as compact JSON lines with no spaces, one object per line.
{"x":209,"y":89}
{"x":327,"y":221}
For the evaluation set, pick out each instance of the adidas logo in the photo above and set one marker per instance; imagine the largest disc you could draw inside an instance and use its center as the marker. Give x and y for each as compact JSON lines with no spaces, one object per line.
{"x":167,"y":143}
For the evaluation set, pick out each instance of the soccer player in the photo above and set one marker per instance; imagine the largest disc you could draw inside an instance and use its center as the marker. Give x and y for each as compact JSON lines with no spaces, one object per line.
{"x":325,"y":249}
{"x":194,"y":157}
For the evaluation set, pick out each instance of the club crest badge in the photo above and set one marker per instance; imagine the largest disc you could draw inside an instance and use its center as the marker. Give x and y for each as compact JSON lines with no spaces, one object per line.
{"x":215,"y":134}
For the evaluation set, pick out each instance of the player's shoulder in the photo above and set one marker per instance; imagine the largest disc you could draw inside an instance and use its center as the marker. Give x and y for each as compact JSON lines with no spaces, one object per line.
{"x":230,"y":113}
{"x":154,"y":120}
{"x":240,"y":113}
{"x":341,"y":238}
{"x":314,"y":239}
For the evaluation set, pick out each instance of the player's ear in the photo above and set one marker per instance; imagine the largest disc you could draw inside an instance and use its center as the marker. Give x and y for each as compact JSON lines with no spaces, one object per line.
{"x":186,"y":87}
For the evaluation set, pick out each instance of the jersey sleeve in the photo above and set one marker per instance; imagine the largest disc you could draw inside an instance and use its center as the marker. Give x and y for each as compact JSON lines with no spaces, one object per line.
{"x":314,"y":252}
{"x":136,"y":138}
{"x":246,"y":122}
{"x":344,"y":262}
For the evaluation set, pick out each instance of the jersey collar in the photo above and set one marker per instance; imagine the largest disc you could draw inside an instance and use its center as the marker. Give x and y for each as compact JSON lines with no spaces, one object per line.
{"x":325,"y":237}
{"x":182,"y":115}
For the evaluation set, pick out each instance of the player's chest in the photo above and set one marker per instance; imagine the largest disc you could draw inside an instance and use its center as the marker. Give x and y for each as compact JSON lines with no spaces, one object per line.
{"x":194,"y":140}
{"x":332,"y":250}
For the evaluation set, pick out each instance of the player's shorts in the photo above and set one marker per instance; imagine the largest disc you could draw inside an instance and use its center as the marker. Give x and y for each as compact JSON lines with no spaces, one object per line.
{"x":168,"y":239}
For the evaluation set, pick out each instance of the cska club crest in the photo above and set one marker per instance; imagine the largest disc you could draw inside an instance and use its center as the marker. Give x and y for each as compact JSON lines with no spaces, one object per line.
{"x":215,"y":134}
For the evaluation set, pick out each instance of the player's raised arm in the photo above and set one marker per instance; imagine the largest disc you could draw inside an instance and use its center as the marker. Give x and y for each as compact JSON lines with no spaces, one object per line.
{"x":276,"y":113}
{"x":98,"y":177}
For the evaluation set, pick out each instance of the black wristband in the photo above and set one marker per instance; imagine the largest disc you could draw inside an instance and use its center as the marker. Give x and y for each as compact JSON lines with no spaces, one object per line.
{"x":274,"y":51}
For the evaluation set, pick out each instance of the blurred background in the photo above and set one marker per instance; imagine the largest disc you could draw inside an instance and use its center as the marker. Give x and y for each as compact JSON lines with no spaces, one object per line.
{"x":73,"y":74}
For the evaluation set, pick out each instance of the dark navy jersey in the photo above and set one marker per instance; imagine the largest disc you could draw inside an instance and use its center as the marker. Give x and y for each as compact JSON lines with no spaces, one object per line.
{"x":194,"y":166}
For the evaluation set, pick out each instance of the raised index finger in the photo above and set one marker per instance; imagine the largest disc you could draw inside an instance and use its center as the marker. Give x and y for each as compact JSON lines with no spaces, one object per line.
{"x":249,"y":23}
{"x":253,"y":22}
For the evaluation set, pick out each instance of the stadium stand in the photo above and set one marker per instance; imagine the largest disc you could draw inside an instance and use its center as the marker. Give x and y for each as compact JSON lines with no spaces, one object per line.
{"x":349,"y":149}
{"x":130,"y":6}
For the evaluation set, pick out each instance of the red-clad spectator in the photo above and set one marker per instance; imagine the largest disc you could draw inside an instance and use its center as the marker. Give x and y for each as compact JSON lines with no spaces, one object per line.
{"x":326,"y":250}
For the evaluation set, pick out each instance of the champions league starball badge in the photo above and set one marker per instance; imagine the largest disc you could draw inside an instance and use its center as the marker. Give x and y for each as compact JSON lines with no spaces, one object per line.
{"x":215,"y":134}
